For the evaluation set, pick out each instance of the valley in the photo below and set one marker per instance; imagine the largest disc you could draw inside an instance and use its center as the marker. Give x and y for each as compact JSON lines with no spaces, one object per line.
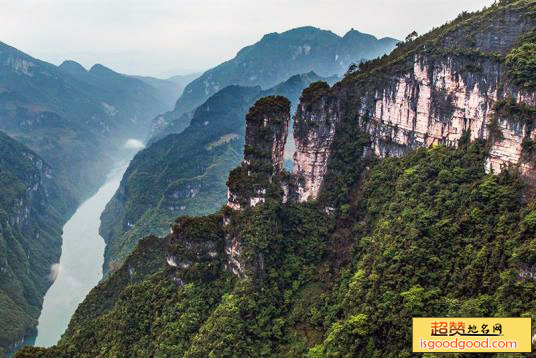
{"x":81,"y":120}
{"x":62,"y":129}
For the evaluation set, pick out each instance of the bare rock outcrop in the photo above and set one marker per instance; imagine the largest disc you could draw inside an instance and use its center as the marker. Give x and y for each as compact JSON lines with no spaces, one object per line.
{"x":266,"y":133}
{"x":314,"y":129}
{"x":261,"y":174}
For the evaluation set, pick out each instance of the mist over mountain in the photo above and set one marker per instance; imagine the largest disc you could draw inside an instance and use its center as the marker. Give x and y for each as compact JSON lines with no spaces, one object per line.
{"x":72,"y":117}
{"x":275,"y":58}
{"x":170,"y":89}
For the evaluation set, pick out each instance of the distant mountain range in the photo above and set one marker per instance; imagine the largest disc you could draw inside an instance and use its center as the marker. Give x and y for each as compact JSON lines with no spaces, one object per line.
{"x":76,"y":118}
{"x":274,"y":59}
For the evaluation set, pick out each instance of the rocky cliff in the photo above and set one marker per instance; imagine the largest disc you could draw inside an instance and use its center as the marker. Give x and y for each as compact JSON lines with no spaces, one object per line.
{"x":456,"y":80}
{"x":187,"y":171}
{"x":453,"y":86}
{"x":261,"y":174}
{"x":266,"y":134}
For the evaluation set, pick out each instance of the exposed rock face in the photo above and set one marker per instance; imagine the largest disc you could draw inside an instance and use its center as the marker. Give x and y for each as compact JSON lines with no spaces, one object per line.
{"x":421,"y":100}
{"x":314,"y":130}
{"x":266,"y":134}
{"x":233,"y":249}
{"x":259,"y":176}
{"x":435,"y":103}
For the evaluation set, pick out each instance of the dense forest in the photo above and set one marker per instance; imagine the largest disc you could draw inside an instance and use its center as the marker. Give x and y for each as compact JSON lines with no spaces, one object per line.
{"x":430,"y":234}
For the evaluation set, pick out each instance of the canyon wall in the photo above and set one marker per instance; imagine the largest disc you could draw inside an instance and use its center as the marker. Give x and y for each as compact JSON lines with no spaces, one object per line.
{"x":430,"y":96}
{"x":32,"y":212}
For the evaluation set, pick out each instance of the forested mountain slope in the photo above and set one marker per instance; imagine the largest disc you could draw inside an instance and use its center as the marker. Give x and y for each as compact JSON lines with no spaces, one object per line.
{"x":32,"y":211}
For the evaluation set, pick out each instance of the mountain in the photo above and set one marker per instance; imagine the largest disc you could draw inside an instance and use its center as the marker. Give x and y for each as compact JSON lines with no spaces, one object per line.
{"x":32,"y":211}
{"x":71,"y":117}
{"x":412,"y":195}
{"x":135,"y":98}
{"x":186,"y":171}
{"x":275,"y":58}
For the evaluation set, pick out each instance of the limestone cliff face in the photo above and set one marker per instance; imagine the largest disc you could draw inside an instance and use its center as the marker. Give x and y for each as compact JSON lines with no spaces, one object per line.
{"x":260,"y":175}
{"x":266,"y":134}
{"x":436,"y":102}
{"x":427,"y":95}
{"x":314,"y":130}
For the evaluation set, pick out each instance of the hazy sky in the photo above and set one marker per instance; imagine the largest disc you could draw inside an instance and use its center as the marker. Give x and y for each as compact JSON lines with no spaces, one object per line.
{"x":164,"y":37}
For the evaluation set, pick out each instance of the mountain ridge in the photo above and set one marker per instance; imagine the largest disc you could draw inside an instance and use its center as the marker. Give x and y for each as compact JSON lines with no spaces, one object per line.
{"x":271,"y":60}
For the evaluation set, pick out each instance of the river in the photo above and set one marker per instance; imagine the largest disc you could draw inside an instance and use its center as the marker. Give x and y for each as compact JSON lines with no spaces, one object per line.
{"x":80,"y":266}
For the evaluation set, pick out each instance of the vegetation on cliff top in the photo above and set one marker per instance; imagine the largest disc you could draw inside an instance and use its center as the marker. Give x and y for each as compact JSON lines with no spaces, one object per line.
{"x":268,"y":105}
{"x":521,"y":64}
{"x":465,"y":28}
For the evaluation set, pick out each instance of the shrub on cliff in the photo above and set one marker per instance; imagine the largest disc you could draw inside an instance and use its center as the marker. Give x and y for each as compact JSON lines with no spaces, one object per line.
{"x":314,"y":91}
{"x":521,"y":63}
